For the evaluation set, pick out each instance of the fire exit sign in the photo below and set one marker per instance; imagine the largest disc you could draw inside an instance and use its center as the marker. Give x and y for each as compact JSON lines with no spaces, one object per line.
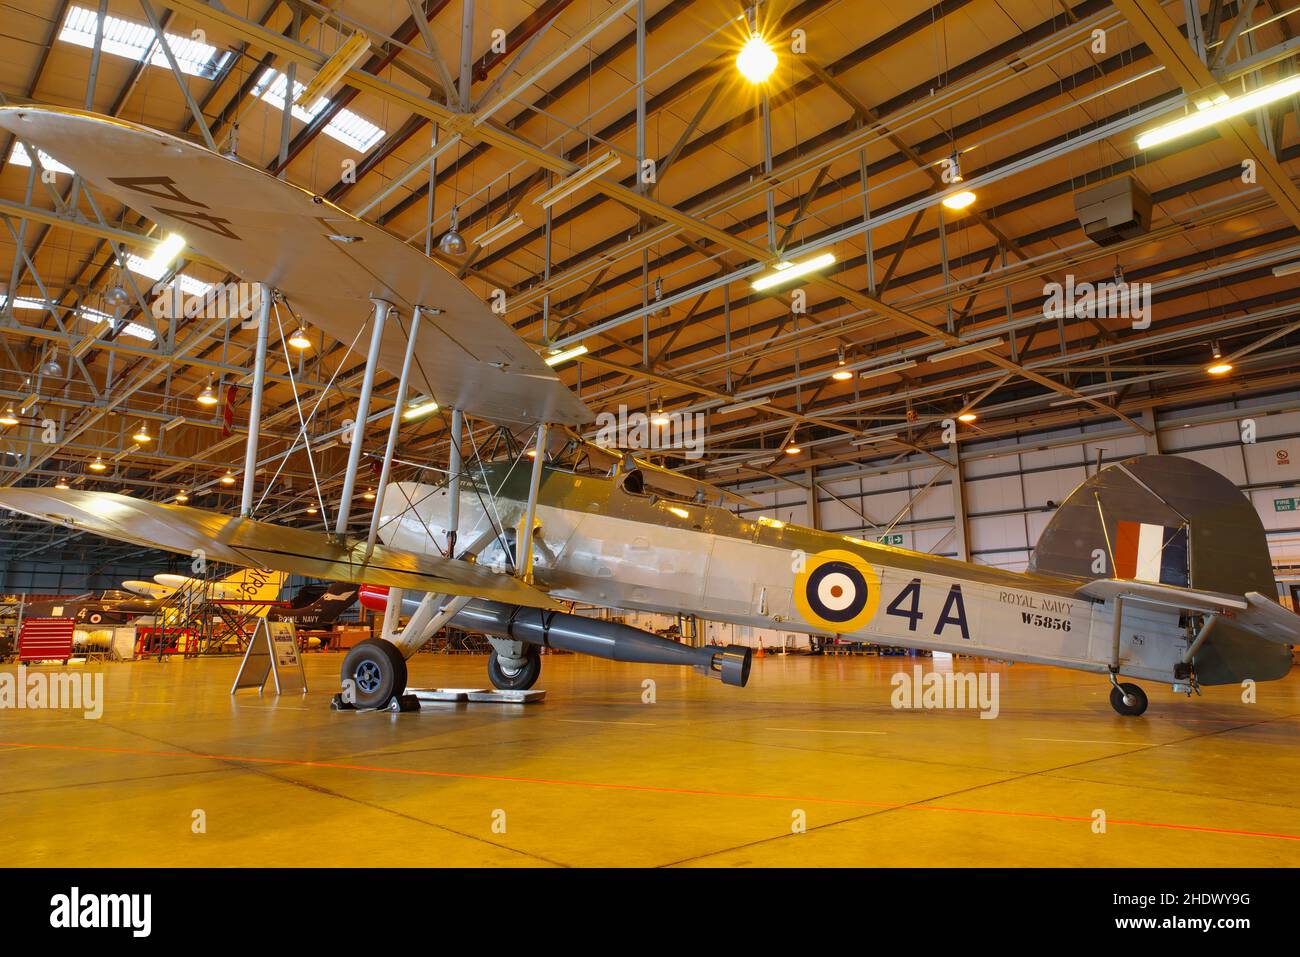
{"x":1284,"y":504}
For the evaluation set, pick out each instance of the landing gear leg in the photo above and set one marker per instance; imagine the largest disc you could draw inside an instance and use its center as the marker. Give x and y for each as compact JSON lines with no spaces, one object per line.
{"x":1127,"y":699}
{"x":514,"y":665}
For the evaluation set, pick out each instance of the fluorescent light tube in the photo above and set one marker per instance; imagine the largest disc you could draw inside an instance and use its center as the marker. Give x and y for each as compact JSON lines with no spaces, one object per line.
{"x":564,"y":355}
{"x":788,"y":272}
{"x":1218,"y":112}
{"x":574,"y":182}
{"x":491,"y":235}
{"x":967,"y":349}
{"x":747,"y":404}
{"x":885,"y":370}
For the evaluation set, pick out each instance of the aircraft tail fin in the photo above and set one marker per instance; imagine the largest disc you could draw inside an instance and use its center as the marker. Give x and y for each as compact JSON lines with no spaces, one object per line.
{"x":253,"y":585}
{"x":1169,"y":520}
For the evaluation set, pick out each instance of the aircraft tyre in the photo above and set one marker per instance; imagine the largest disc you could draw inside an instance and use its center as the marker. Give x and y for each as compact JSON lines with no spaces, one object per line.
{"x":506,"y":678}
{"x":376,"y":671}
{"x":1137,"y":700}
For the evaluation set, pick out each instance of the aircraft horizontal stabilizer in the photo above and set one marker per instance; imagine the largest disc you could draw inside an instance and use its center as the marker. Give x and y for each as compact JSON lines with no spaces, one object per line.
{"x":251,"y":543}
{"x":1254,"y":613}
{"x":1174,"y":596}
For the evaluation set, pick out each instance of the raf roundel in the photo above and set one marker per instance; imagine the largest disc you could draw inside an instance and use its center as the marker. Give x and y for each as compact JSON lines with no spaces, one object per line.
{"x":837,"y":591}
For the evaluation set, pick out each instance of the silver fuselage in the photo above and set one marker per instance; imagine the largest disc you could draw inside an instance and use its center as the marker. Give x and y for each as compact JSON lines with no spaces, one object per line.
{"x":599,"y":544}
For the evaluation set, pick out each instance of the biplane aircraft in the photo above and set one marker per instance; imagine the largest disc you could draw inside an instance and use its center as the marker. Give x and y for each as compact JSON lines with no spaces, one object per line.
{"x":1156,"y":568}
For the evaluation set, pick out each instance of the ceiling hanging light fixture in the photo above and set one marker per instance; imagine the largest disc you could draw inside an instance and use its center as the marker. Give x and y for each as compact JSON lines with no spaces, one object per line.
{"x":841,"y":374}
{"x":98,"y":465}
{"x":142,"y":434}
{"x":62,"y":484}
{"x":959,"y":201}
{"x":452,"y":242}
{"x":182,"y":496}
{"x":299,"y":339}
{"x":228,"y":478}
{"x":208,"y":397}
{"x":756,"y":60}
{"x":51,"y":366}
{"x":1219,"y":365}
{"x":8,"y":417}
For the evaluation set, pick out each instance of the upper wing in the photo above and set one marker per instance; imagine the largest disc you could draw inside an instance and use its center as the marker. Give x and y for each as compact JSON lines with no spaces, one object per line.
{"x":327,"y":262}
{"x":248,"y":542}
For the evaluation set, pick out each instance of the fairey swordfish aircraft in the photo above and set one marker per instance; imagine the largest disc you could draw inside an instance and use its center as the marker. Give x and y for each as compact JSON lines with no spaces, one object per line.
{"x":1155,"y":568}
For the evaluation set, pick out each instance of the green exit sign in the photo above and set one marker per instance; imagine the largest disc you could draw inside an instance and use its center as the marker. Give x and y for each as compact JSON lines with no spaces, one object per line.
{"x":1284,"y":505}
{"x":890,"y":539}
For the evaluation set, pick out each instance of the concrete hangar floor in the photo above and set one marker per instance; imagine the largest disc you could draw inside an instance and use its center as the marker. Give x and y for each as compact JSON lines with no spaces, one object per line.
{"x":705,"y":776}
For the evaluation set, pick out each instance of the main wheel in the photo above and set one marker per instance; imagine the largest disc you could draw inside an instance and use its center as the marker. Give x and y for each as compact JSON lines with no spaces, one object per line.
{"x":376,"y":670}
{"x":1136,"y":701}
{"x":511,"y":678}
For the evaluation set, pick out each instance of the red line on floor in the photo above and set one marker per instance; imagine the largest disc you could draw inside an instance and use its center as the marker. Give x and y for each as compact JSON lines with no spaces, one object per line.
{"x":649,"y":788}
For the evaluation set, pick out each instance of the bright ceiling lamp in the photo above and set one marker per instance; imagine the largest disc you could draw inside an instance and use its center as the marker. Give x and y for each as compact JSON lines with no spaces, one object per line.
{"x":207,"y":397}
{"x":571,"y":184}
{"x":98,"y":465}
{"x":299,"y":339}
{"x":785,"y":272}
{"x":62,"y":484}
{"x":419,"y":409}
{"x":369,"y":496}
{"x":8,"y":417}
{"x":564,"y":355}
{"x":967,"y":416}
{"x":958,"y":201}
{"x":841,"y":374}
{"x":792,"y":450}
{"x":1217,"y":112}
{"x":492,"y":234}
{"x":142,"y":434}
{"x":660,"y":419}
{"x":1219,"y":365}
{"x":756,"y":60}
{"x":160,"y":259}
{"x":311,"y":509}
{"x":228,"y":478}
{"x":182,"y":496}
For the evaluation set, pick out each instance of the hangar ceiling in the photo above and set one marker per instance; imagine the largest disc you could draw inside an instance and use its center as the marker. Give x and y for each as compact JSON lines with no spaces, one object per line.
{"x":842,"y":150}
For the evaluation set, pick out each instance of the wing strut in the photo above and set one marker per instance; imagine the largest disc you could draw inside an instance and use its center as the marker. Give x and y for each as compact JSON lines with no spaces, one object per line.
{"x":524,"y":549}
{"x":393,"y":428}
{"x":255,"y":408}
{"x":382,"y":308}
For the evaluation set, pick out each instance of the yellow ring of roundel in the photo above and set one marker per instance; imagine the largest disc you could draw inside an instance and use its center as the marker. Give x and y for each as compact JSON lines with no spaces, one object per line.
{"x":860,"y":565}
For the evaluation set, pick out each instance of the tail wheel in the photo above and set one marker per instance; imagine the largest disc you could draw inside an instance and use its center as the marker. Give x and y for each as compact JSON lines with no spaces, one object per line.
{"x":507,"y":675}
{"x":1128,"y":699}
{"x":374,"y":671}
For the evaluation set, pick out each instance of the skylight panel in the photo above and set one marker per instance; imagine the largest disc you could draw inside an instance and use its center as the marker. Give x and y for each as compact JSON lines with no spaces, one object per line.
{"x":18,"y":157}
{"x":350,"y":129}
{"x":133,"y":329}
{"x":135,"y":41}
{"x":189,"y":285}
